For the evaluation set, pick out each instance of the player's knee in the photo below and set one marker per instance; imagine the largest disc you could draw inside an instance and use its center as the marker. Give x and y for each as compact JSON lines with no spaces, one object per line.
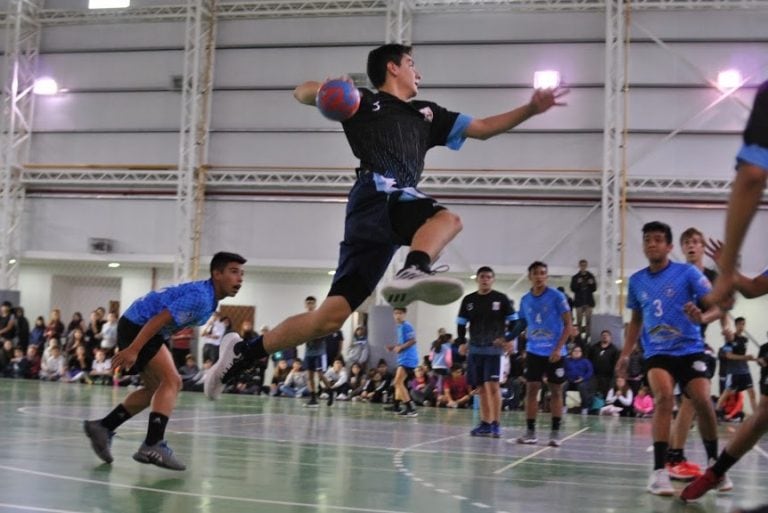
{"x":664,"y":401}
{"x":453,"y":220}
{"x":174,"y":382}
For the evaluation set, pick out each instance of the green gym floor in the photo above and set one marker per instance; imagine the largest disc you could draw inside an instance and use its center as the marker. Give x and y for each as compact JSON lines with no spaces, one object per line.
{"x":257,"y":454}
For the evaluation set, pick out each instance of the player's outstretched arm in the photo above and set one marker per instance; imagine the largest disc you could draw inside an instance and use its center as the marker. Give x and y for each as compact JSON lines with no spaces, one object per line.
{"x":307,"y":92}
{"x":541,"y":101}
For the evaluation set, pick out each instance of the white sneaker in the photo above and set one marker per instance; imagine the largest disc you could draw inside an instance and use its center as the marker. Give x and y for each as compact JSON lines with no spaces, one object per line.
{"x":659,"y":483}
{"x":213,"y":385}
{"x":413,"y":284}
{"x":341,"y":397}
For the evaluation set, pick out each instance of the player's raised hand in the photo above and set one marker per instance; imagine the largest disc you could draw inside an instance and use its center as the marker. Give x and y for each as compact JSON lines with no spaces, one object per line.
{"x":543,"y":99}
{"x":713,"y":248}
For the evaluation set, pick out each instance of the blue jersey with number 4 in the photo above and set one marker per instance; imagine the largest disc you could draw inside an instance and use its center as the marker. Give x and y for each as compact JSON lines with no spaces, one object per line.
{"x":661,"y":296}
{"x":543,"y":315}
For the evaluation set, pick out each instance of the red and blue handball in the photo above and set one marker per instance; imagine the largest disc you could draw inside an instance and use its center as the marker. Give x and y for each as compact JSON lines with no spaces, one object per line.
{"x":338,"y":100}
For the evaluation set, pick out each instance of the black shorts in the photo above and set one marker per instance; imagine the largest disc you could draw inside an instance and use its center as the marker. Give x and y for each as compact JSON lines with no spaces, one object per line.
{"x":126,"y":332}
{"x":375,"y":226}
{"x":409,"y":373}
{"x":739,"y":382}
{"x":683,"y":369}
{"x":316,"y":363}
{"x":483,"y":368}
{"x":536,"y":367}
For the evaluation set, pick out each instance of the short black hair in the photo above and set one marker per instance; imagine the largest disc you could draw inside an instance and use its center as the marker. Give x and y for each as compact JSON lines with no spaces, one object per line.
{"x":485,"y":269}
{"x":536,"y":264}
{"x":739,"y":319}
{"x":658,"y":227}
{"x":222,"y":259}
{"x":380,"y":57}
{"x":310,"y":298}
{"x":400,"y":309}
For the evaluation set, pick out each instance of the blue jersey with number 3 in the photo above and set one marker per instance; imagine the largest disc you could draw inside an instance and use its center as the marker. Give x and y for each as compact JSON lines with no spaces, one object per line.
{"x":661,"y":296}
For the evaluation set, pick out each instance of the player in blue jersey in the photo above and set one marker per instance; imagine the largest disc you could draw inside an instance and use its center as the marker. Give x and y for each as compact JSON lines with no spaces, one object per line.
{"x":316,"y":362}
{"x":143,"y":334}
{"x":662,"y":298}
{"x":489,"y":314}
{"x":390,"y":135}
{"x":547,"y":320}
{"x":746,"y":194}
{"x":407,"y":361}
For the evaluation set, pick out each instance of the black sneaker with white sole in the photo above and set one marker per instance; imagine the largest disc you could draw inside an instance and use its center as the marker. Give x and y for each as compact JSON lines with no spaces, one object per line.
{"x":413,"y":284}
{"x":234,"y":359}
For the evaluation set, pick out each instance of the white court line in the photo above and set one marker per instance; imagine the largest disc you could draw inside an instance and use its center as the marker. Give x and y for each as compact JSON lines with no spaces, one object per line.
{"x":40,"y":440}
{"x":313,"y":507}
{"x":534,"y":454}
{"x":35,"y":508}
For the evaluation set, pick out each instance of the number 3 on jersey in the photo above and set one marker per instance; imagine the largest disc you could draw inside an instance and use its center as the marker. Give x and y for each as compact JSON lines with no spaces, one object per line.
{"x":659,"y":311}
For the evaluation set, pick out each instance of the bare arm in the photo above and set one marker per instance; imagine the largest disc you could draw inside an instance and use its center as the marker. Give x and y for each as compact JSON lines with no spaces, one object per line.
{"x":633,"y":333}
{"x":567,"y":321}
{"x":541,"y":101}
{"x":307,"y":92}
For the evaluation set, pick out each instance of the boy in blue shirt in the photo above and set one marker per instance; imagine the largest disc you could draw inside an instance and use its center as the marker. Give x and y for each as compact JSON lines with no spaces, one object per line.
{"x":143,"y":334}
{"x":407,"y":361}
{"x":548,"y":321}
{"x":663,"y":299}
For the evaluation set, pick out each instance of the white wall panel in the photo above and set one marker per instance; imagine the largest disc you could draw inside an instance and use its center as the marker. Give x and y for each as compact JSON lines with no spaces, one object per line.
{"x":113,"y":70}
{"x":704,"y":24}
{"x":108,"y":111}
{"x":509,"y":26}
{"x":308,"y":31}
{"x":112,"y":36}
{"x":659,"y":109}
{"x":650,"y":63}
{"x":703,"y":156}
{"x":132,"y":148}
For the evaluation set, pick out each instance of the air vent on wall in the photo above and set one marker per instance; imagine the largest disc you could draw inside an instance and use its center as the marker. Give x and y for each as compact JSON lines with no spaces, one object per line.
{"x":101,"y":246}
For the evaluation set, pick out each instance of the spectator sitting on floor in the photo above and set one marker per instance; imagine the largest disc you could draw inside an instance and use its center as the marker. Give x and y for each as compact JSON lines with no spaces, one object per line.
{"x":619,"y":400}
{"x":338,"y":379}
{"x":456,"y":392}
{"x":54,"y":366}
{"x":190,"y":369}
{"x":78,"y":366}
{"x":358,"y":351}
{"x":248,"y":382}
{"x":295,"y":384}
{"x":357,"y":380}
{"x":422,"y":387}
{"x":278,"y":376}
{"x":643,"y":402}
{"x":33,"y":358}
{"x":376,"y":387}
{"x":578,"y":373}
{"x":19,"y":366}
{"x":101,"y":368}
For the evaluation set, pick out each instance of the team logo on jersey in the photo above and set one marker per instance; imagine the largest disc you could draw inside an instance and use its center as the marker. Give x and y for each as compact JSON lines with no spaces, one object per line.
{"x":470,"y":306}
{"x":664,"y":332}
{"x":699,"y":366}
{"x":643,"y":296}
{"x":669,"y":292}
{"x":427,"y":113}
{"x":560,"y":372}
{"x":496,"y":306}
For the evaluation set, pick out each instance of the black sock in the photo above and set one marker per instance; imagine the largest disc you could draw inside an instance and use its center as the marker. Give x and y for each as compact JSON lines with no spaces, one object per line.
{"x":256,"y":349}
{"x":723,"y":463}
{"x":417,"y":259}
{"x":410,"y":406}
{"x":396,"y":404}
{"x":531,"y":424}
{"x":115,"y":417}
{"x":675,"y":456}
{"x":493,"y":423}
{"x":313,"y":396}
{"x":556,"y":423}
{"x":711,"y":447}
{"x":659,"y":454}
{"x":156,"y":428}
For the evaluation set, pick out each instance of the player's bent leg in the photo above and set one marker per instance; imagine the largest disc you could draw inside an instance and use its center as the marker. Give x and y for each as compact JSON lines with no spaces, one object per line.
{"x":419,"y":283}
{"x":155,"y":450}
